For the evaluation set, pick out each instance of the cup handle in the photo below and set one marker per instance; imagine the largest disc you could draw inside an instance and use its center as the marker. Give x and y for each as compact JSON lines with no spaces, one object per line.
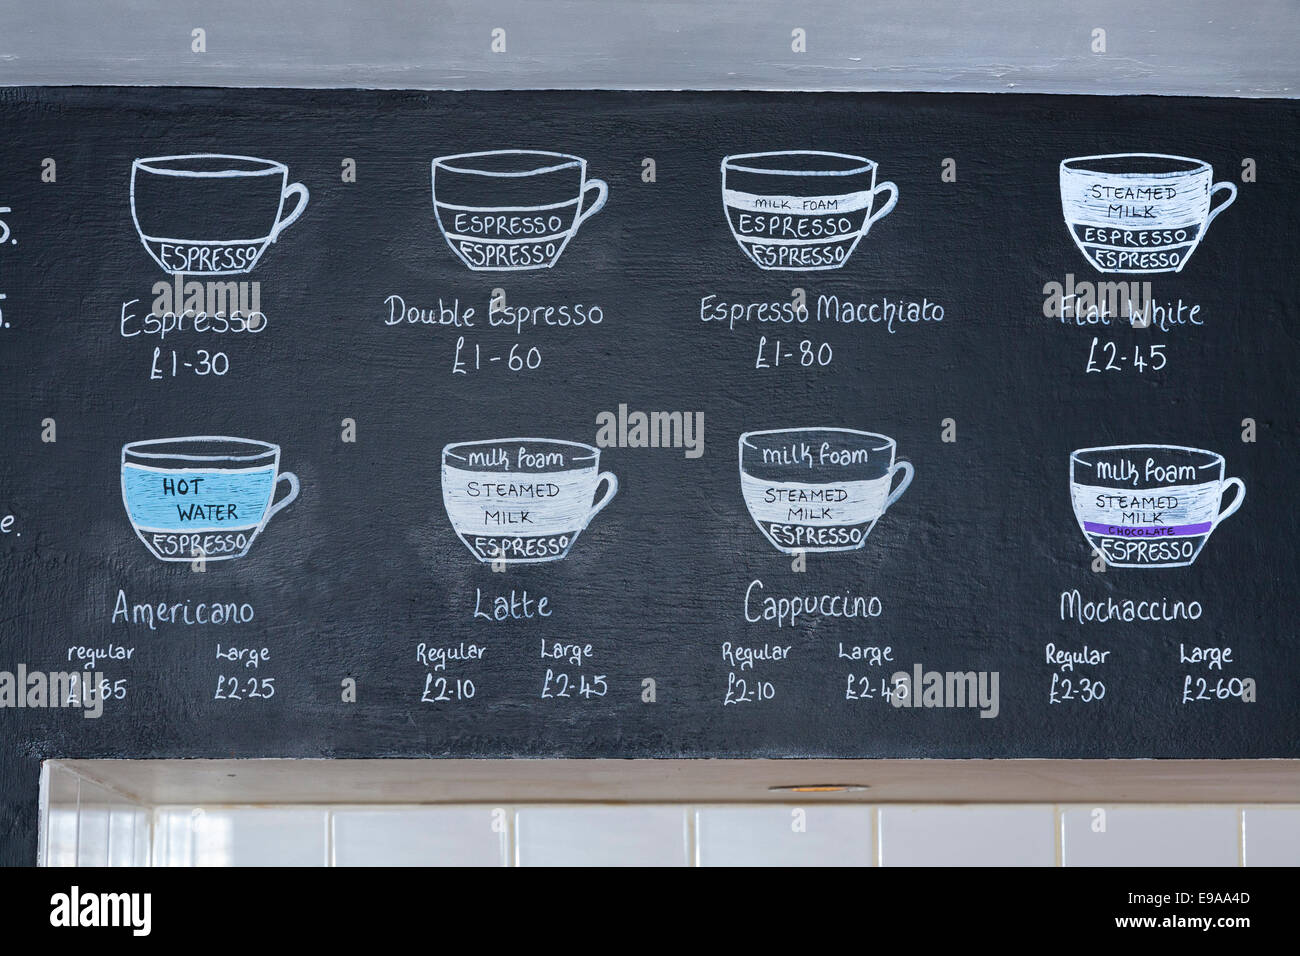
{"x":287,"y":499}
{"x":1232,"y":195}
{"x":884,"y":210}
{"x":1236,"y":501}
{"x":606,"y":476}
{"x":300,"y":204}
{"x":588,"y":211}
{"x":909,"y":472}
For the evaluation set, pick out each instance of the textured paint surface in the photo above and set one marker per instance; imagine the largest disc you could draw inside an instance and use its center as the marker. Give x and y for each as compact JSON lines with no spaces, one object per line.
{"x":1190,"y":47}
{"x":969,"y":565}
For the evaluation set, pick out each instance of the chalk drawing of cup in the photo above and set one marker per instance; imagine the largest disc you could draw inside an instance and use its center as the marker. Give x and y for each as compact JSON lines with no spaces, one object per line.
{"x":210,"y":213}
{"x":819,"y":489}
{"x":802,"y":210}
{"x":206,"y":496}
{"x":522,"y":500}
{"x":1149,"y":506}
{"x":511,"y":210}
{"x":1139,"y":212}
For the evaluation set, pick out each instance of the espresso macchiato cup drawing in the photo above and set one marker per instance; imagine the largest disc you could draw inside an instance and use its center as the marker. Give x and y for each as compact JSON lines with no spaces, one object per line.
{"x":511,"y":210}
{"x":1140,"y":212}
{"x":819,"y":489}
{"x":802,"y":210}
{"x":210,"y":213}
{"x":1150,"y":506}
{"x":522,"y":500}
{"x":202,"y":497}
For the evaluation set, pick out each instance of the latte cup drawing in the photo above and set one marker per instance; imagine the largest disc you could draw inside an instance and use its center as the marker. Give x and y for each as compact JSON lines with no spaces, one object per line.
{"x":512,"y":210}
{"x":522,"y":500}
{"x":206,"y":496}
{"x":819,"y":489}
{"x":211,"y":213}
{"x":1150,"y":506}
{"x":1139,"y":212}
{"x":802,"y":210}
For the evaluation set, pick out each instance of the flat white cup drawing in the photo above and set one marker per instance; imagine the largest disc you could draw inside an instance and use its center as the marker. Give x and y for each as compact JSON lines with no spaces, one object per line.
{"x":819,"y":489}
{"x":211,"y":213}
{"x":1150,"y":506}
{"x":522,"y":500}
{"x":802,"y":210}
{"x":207,"y":496}
{"x":1139,"y":212}
{"x":510,"y":210}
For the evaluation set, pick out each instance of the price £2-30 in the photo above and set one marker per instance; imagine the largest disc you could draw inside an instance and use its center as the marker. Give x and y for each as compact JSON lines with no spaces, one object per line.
{"x":1083,"y":690}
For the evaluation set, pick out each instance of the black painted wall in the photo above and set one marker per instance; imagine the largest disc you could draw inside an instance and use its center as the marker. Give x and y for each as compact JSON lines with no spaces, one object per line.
{"x":969,"y":565}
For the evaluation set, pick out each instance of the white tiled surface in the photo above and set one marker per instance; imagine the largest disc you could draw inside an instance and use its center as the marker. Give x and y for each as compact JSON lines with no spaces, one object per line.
{"x":1151,"y":836}
{"x":967,"y":836}
{"x":783,"y":836}
{"x":1272,"y":836}
{"x":90,"y":825}
{"x":432,"y":836}
{"x":241,"y":837}
{"x":632,"y":835}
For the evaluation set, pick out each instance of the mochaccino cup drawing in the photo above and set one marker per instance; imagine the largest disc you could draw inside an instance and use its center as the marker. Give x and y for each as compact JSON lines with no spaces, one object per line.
{"x":802,"y":210}
{"x":509,"y":210}
{"x":819,"y":489}
{"x":1149,"y":506}
{"x":211,"y":213}
{"x":1139,"y":212}
{"x":522,"y":500}
{"x":203,"y":497}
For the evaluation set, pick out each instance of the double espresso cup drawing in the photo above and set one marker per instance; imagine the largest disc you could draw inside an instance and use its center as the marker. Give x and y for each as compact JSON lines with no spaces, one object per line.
{"x":522,"y":500}
{"x":802,"y":210}
{"x":1150,"y":506}
{"x":510,"y":210}
{"x":1140,"y":212}
{"x":819,"y":489}
{"x":204,"y":497}
{"x":211,"y":213}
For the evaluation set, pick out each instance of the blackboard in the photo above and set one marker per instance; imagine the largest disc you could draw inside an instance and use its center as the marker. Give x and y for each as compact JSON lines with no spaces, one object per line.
{"x":647,"y":253}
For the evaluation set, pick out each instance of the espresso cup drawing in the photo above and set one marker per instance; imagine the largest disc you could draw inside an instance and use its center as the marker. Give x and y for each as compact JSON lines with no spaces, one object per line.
{"x":802,"y":210}
{"x":1139,"y":212}
{"x":206,"y":496}
{"x":819,"y":489}
{"x":210,"y":213}
{"x":522,"y":500}
{"x":510,"y":210}
{"x":1150,"y":506}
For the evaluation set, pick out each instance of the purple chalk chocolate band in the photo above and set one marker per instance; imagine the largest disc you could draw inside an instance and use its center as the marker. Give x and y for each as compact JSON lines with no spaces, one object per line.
{"x":1152,"y":531}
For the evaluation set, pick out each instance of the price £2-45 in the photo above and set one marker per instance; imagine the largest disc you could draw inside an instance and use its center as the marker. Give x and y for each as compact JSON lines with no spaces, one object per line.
{"x":1108,"y":356}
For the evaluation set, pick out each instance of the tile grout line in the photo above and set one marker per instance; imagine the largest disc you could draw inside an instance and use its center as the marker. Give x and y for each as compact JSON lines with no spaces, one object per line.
{"x":1058,"y":841}
{"x":1241,"y":836}
{"x":692,"y":828}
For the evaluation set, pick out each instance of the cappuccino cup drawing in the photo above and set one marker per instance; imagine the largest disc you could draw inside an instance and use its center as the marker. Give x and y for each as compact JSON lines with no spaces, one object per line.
{"x":512,"y":210}
{"x":522,"y":500}
{"x":819,"y":489}
{"x":209,"y":213}
{"x":802,"y":210}
{"x":207,"y":496}
{"x":1150,"y":506}
{"x":1139,"y":212}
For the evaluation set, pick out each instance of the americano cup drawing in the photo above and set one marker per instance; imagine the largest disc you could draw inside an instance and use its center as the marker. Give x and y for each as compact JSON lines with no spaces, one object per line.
{"x":1139,"y":212}
{"x":508,"y":210}
{"x":205,"y":496}
{"x":819,"y":489}
{"x":802,"y":210}
{"x":522,"y":500}
{"x":211,"y":213}
{"x":1150,"y":506}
